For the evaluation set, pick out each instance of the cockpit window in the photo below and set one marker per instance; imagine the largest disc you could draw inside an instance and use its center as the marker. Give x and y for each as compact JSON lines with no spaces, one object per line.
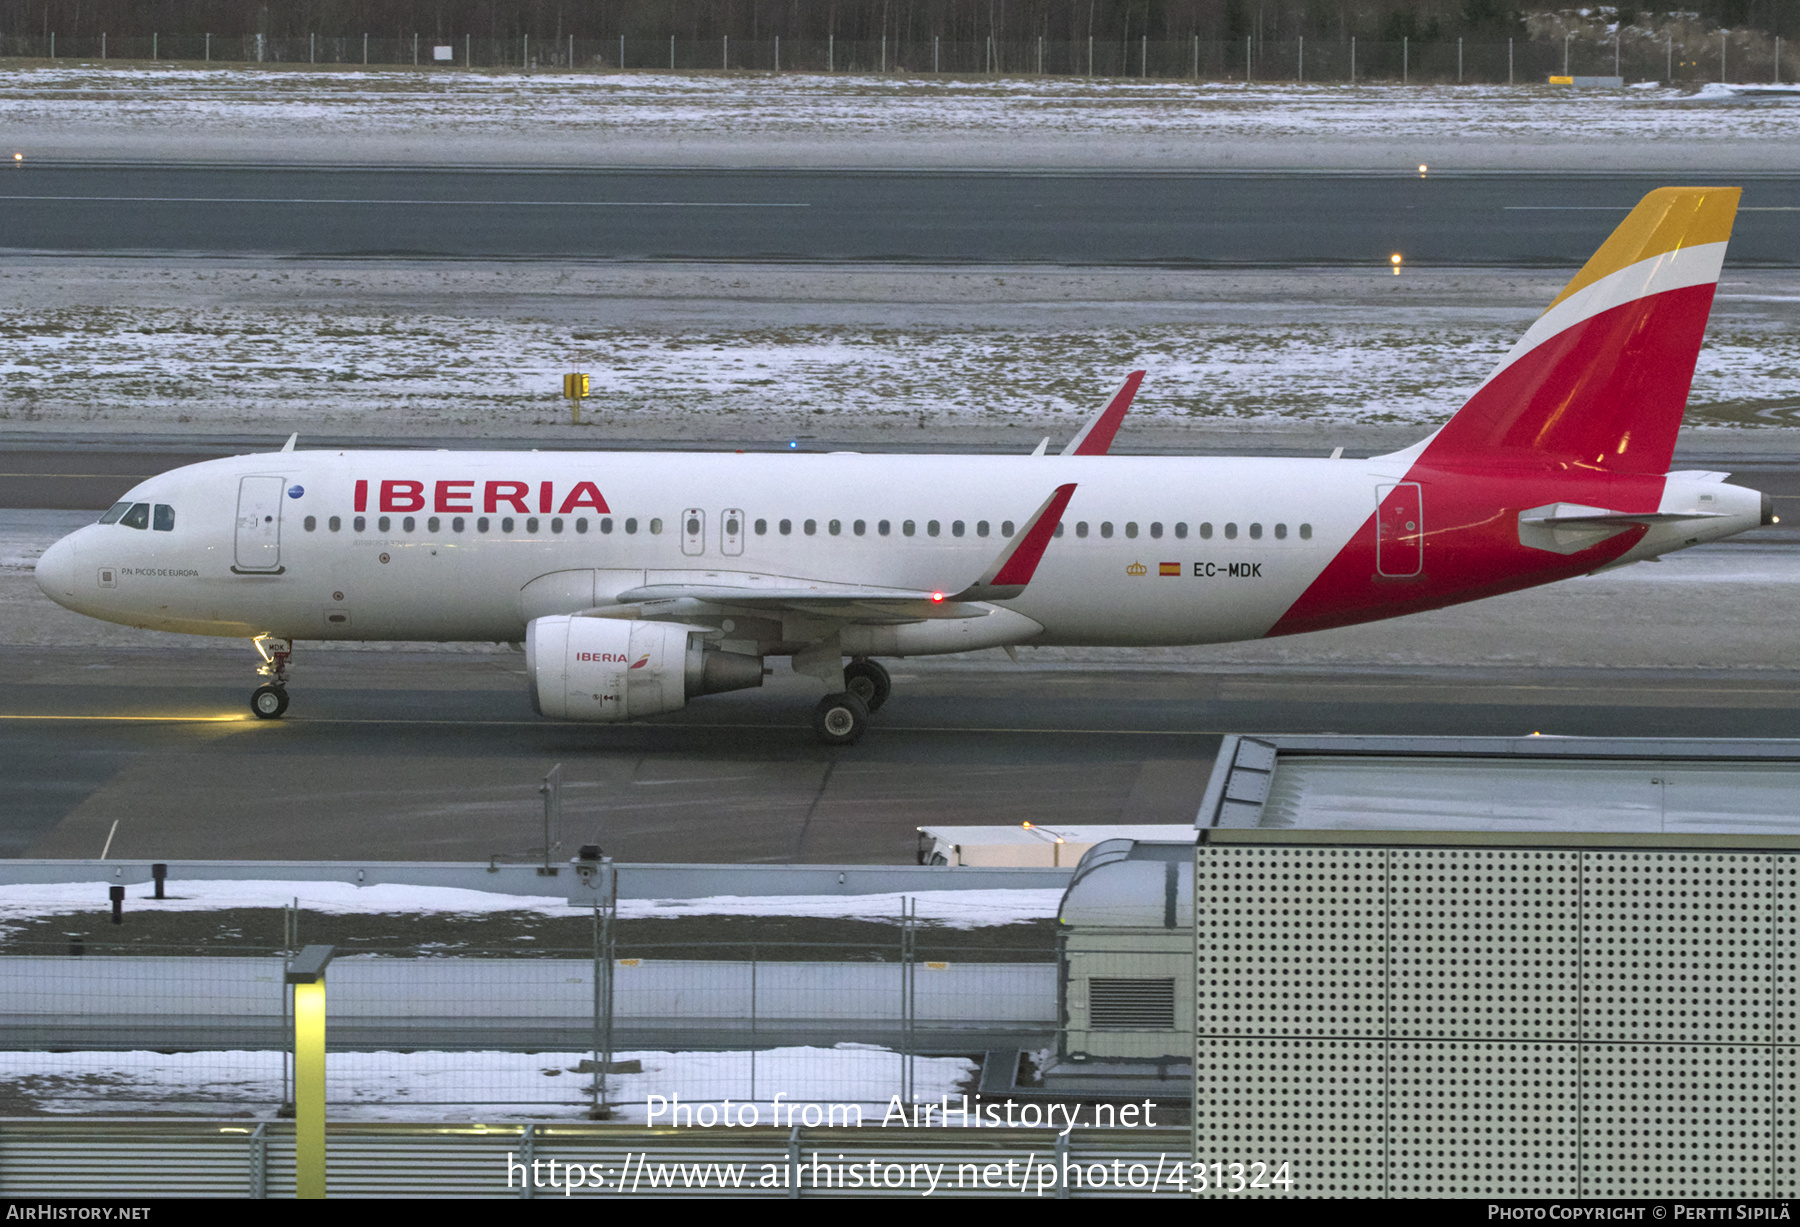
{"x":164,"y":519}
{"x":137,"y":517}
{"x":114,"y":512}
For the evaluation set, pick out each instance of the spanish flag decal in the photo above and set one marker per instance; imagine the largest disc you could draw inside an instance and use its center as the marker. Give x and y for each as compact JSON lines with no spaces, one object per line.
{"x":1168,"y":568}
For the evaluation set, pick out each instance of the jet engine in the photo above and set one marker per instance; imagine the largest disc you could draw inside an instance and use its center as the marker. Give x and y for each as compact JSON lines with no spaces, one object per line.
{"x":619,"y":669}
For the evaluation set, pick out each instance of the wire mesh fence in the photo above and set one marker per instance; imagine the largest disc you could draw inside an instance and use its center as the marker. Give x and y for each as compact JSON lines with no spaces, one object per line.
{"x":612,"y":1028}
{"x":1323,"y":61}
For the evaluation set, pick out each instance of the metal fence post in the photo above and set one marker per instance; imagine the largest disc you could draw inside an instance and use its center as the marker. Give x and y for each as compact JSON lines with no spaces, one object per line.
{"x":1300,"y":60}
{"x":599,"y":1069}
{"x":1090,"y":55}
{"x":259,"y":1161}
{"x":1509,"y":61}
{"x":752,"y":1022}
{"x":1196,"y":57}
{"x":778,"y":53}
{"x":1246,"y":59}
{"x":1353,"y":60}
{"x":551,"y":789}
{"x":1144,"y":56}
{"x":571,"y":52}
{"x":527,"y":1155}
{"x":609,"y":938}
{"x":1405,"y":58}
{"x":831,"y":53}
{"x":794,"y":1163}
{"x":908,"y":908}
{"x":1459,"y":43}
{"x":1061,"y":1157}
{"x":725,"y":54}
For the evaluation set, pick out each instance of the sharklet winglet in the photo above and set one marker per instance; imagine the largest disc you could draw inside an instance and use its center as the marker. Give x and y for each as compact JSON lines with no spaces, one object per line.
{"x":1018,"y":561}
{"x":1096,"y":437}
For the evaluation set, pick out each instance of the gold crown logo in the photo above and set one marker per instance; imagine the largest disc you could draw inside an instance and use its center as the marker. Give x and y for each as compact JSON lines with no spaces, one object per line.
{"x":1137,"y":568}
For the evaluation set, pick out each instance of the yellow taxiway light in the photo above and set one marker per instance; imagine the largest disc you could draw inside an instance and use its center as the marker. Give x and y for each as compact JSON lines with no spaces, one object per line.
{"x":1422,"y":170}
{"x":1395,"y":261}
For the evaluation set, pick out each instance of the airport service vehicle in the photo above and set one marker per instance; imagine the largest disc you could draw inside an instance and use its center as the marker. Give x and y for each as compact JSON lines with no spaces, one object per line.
{"x":637,"y":582}
{"x":1030,"y":846}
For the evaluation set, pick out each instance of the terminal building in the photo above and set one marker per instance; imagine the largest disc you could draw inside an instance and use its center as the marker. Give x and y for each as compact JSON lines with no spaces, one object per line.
{"x":1534,"y":967}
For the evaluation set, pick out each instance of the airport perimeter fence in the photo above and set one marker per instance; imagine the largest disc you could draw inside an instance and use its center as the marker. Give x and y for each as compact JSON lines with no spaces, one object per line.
{"x":1302,"y":61}
{"x":134,"y":1028}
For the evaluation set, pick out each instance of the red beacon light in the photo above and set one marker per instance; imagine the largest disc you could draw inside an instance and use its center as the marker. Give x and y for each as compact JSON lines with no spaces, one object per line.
{"x":937,"y":596}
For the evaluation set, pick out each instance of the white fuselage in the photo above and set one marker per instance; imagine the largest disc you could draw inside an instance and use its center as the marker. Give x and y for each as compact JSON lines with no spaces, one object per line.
{"x":470,"y":546}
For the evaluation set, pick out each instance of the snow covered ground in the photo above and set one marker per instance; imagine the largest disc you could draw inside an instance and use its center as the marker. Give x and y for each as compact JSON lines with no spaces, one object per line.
{"x":88,"y":110}
{"x":729,"y":356}
{"x":488,"y":1086}
{"x":953,"y":909}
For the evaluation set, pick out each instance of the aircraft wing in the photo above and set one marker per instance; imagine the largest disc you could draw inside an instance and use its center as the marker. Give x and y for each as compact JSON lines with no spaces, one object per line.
{"x":828,"y":600}
{"x":1005,"y":579}
{"x":1096,"y":437}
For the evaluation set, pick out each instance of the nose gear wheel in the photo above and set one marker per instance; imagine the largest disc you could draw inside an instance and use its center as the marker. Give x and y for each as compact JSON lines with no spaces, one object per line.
{"x":268,"y":702}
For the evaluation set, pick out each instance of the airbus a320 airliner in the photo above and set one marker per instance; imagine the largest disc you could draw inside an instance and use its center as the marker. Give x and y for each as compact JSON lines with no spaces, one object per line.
{"x":639,"y":581}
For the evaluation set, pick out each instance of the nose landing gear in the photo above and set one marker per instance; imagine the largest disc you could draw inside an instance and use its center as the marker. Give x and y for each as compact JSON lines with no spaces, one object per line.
{"x":269,"y":700}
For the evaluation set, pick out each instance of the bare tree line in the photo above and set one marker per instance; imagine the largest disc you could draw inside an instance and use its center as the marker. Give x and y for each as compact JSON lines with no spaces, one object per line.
{"x":972,"y":20}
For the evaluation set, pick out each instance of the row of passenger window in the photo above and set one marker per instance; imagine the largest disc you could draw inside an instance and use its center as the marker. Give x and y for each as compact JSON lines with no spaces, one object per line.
{"x":140,"y":515}
{"x":459,"y":524}
{"x":959,"y":528}
{"x":883,"y":528}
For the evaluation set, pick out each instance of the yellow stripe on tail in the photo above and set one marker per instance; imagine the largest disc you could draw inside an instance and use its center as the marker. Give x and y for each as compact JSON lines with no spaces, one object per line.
{"x":1668,"y":219}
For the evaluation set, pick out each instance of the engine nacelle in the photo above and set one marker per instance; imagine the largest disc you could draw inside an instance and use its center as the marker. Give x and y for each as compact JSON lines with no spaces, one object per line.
{"x":619,"y":669}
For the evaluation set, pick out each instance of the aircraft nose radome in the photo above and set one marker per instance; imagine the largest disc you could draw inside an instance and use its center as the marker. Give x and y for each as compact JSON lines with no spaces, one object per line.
{"x":56,"y":571}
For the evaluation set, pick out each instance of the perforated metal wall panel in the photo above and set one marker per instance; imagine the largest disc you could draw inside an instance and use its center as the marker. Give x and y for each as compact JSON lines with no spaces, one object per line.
{"x":1485,"y":943}
{"x":1290,"y":941}
{"x":1317,"y":1104}
{"x":1467,"y":1119}
{"x":1676,"y":946}
{"x":1500,"y":1022}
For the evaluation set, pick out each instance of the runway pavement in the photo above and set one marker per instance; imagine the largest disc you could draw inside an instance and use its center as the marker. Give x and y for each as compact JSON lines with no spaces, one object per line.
{"x":984,"y":217}
{"x":401,"y":756}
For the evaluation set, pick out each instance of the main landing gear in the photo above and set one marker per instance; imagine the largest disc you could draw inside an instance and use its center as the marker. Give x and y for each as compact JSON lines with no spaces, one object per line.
{"x":269,"y":700}
{"x":842,"y":719}
{"x":869,"y":682}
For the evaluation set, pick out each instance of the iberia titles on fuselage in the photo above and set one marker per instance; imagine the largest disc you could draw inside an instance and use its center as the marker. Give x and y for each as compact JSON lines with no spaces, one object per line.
{"x":639,"y":580}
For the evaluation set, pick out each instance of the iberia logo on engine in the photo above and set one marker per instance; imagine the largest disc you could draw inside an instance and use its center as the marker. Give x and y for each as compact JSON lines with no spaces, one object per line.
{"x":605,"y":658}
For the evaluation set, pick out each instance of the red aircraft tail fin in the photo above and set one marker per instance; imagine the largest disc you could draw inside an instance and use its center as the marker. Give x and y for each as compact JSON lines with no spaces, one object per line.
{"x":1600,"y":381}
